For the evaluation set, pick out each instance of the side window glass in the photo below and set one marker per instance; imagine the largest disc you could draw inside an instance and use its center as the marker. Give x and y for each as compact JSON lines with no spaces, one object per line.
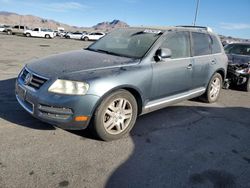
{"x":201,"y":44}
{"x":178,"y":43}
{"x":216,"y":47}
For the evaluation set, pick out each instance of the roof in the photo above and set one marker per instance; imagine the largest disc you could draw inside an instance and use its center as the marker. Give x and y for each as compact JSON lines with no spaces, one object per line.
{"x":185,"y":27}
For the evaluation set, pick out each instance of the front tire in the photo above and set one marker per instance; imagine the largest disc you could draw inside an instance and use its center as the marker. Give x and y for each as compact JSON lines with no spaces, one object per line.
{"x":115,"y":116}
{"x":213,"y":89}
{"x":47,"y":36}
{"x":86,"y":39}
{"x":9,"y":32}
{"x":246,"y":86}
{"x":28,"y":34}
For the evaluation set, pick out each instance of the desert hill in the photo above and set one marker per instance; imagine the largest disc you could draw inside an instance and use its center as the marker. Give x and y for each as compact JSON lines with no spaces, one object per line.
{"x":9,"y":18}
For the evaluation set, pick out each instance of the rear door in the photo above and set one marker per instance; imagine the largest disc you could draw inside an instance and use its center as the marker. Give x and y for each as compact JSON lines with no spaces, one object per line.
{"x":173,"y":76}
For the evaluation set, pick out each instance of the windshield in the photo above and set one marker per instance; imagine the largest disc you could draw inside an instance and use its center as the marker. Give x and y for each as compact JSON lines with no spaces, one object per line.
{"x":239,"y":49}
{"x":126,"y":42}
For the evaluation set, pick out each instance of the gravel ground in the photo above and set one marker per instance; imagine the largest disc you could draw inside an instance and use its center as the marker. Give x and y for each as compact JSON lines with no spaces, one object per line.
{"x":190,"y":144}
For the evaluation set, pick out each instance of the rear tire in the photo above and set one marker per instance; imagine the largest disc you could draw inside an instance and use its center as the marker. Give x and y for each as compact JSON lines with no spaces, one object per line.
{"x":47,"y":36}
{"x":115,"y":116}
{"x":27,"y":34}
{"x":213,"y":89}
{"x":86,"y":39}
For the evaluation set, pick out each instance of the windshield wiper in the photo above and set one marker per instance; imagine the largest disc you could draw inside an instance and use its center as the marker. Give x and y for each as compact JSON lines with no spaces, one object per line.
{"x":98,"y":50}
{"x":108,"y":52}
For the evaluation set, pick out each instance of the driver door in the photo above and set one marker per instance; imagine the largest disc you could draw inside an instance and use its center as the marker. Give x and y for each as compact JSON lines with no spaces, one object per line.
{"x":173,"y":75}
{"x":36,"y":32}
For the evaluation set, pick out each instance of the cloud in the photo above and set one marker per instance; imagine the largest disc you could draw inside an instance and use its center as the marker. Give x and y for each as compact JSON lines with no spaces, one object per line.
{"x":64,"y":7}
{"x":234,"y":26}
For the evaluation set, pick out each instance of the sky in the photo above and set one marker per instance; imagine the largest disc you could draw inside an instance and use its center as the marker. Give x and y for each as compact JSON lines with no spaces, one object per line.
{"x":227,"y":17}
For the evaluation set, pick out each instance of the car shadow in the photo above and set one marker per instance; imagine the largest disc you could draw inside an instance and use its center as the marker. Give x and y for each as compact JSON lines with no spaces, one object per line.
{"x":12,"y":112}
{"x":188,"y":146}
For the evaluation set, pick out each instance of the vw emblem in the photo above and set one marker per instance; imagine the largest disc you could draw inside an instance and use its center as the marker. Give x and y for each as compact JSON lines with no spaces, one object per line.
{"x":28,"y":79}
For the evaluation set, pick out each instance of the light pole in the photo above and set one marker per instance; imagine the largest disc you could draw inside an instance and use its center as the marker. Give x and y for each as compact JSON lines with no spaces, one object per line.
{"x":196,"y":11}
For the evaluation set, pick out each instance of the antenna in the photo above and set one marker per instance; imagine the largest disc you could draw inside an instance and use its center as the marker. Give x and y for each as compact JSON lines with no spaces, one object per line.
{"x":196,"y":12}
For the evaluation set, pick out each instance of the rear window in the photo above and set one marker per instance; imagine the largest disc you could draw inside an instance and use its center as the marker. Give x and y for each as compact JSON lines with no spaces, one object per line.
{"x":215,"y":44}
{"x":201,"y":44}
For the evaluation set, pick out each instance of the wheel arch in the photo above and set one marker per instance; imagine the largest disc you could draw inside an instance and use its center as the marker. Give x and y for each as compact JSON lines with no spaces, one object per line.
{"x":134,"y":91}
{"x":222,"y":72}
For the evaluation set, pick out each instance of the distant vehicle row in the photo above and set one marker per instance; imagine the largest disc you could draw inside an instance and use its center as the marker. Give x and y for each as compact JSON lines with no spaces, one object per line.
{"x":48,"y":33}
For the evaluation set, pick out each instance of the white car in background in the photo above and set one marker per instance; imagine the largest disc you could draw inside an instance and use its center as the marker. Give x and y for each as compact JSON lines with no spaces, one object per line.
{"x":2,"y":28}
{"x":39,"y":32}
{"x":93,"y":36}
{"x":75,"y":35}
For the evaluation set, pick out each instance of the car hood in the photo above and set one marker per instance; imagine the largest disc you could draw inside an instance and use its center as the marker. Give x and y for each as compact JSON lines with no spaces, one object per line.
{"x":238,"y":59}
{"x":77,"y":61}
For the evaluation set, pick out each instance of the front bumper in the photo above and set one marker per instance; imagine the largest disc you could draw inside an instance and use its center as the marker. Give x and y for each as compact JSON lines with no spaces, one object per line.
{"x":55,"y":109}
{"x":237,"y":78}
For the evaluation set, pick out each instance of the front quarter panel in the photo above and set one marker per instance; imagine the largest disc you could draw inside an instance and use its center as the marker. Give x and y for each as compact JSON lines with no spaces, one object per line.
{"x":102,"y":82}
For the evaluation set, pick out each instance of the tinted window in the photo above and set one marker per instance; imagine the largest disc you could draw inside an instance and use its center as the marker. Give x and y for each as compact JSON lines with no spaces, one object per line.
{"x":178,"y":43}
{"x":36,"y":29}
{"x":201,"y":44}
{"x":21,"y":27}
{"x":216,"y":47}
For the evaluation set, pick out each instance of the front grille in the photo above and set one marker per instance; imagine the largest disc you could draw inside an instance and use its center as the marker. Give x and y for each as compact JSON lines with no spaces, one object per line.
{"x":55,"y":112}
{"x":35,"y":82}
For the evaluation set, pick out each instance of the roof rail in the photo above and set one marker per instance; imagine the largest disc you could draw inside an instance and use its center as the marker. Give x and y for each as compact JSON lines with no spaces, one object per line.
{"x":196,"y":27}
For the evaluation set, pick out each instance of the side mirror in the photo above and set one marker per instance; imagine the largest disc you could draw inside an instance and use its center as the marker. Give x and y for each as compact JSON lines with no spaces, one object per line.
{"x":162,"y":53}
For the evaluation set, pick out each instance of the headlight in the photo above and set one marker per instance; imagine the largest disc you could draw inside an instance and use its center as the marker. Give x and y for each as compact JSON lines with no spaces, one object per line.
{"x":69,"y":87}
{"x":243,"y":71}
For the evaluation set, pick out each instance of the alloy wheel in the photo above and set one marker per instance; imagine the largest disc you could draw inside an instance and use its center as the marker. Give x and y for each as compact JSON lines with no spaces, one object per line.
{"x":117,"y":116}
{"x":215,"y":88}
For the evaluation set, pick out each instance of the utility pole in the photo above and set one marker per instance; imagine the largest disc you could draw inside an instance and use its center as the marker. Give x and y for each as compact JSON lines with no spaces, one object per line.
{"x":196,"y":12}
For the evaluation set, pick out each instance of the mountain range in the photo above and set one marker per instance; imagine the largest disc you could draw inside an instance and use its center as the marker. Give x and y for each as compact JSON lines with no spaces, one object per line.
{"x":10,"y":18}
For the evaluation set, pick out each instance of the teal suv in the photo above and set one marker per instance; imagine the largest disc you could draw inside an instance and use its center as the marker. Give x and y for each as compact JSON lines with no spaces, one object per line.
{"x":127,"y":73}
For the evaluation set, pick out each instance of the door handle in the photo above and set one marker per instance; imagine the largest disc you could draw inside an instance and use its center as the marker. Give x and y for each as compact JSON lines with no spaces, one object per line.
{"x":189,"y":66}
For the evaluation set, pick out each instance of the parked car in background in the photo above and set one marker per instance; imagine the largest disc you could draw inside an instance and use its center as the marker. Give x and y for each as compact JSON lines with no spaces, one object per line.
{"x":74,"y":35}
{"x":239,"y":64}
{"x":40,"y":32}
{"x":16,"y":30}
{"x":127,"y":73}
{"x":2,"y":28}
{"x":93,"y":36}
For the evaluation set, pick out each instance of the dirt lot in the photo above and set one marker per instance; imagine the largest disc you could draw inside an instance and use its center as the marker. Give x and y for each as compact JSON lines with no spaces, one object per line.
{"x":191,"y":144}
